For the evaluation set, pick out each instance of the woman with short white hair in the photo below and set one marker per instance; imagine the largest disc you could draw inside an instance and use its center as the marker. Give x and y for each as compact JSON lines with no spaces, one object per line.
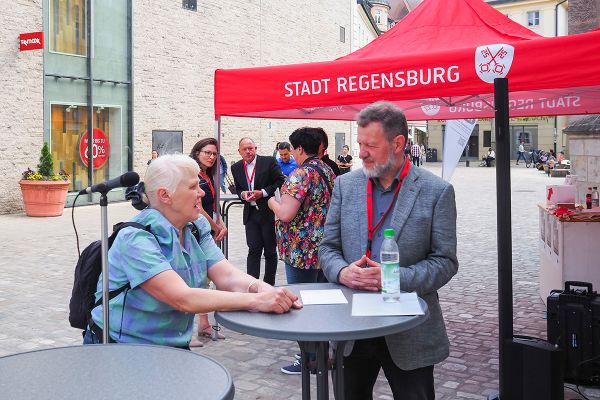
{"x":167,"y":267}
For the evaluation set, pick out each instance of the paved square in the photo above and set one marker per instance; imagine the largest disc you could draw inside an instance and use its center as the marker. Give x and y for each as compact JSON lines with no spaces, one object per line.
{"x":39,"y":256}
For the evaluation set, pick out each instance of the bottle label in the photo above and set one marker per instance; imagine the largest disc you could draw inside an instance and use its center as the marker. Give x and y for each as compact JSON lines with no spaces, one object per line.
{"x":390,"y":277}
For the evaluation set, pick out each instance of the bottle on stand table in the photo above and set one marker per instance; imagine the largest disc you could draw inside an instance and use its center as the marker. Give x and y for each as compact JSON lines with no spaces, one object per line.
{"x":390,"y":267}
{"x":595,"y":197}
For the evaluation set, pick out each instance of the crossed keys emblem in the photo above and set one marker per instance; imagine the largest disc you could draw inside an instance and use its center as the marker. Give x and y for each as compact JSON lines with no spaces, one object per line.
{"x":493,"y":61}
{"x":487,"y":53}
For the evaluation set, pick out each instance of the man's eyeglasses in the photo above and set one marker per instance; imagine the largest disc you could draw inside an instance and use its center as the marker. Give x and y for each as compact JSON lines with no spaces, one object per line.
{"x":209,"y":153}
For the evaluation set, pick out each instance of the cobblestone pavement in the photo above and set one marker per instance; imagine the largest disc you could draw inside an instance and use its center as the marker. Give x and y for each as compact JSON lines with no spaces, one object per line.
{"x":39,"y":254}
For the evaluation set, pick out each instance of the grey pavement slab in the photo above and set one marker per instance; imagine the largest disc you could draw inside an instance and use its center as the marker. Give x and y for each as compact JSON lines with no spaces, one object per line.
{"x":39,"y":254}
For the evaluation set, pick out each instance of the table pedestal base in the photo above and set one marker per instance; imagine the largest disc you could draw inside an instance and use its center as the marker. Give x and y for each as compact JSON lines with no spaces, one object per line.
{"x":320,"y":366}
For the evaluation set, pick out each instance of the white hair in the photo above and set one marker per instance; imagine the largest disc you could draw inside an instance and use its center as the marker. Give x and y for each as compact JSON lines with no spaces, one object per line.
{"x":166,"y":172}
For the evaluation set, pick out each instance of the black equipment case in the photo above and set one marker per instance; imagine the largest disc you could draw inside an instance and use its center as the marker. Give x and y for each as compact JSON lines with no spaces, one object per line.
{"x":574,"y":326}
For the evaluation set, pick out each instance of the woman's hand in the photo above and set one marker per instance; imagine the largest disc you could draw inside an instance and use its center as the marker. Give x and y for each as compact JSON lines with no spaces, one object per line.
{"x":277,"y":300}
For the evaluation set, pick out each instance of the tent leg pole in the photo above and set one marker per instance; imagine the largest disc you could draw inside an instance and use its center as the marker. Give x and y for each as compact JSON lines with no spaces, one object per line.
{"x":503,"y":204}
{"x":217,"y":175}
{"x":217,"y":179}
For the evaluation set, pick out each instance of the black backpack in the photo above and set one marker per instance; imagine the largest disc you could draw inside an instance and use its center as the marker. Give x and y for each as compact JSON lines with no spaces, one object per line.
{"x":87,"y":272}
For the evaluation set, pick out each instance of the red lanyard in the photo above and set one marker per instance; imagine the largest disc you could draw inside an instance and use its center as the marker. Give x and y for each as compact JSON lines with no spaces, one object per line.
{"x":249,"y":178}
{"x":211,"y":187}
{"x":372,"y":228}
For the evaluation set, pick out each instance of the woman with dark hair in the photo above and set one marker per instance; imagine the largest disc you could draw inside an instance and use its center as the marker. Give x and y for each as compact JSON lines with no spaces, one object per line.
{"x":205,"y":154}
{"x":301,"y":212}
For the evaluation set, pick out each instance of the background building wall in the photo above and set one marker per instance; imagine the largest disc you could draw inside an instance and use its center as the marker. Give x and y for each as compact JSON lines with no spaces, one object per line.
{"x":176,"y":52}
{"x":584,"y":15}
{"x":585,"y":161}
{"x":517,"y":11}
{"x":363,"y":32}
{"x":21,"y":97}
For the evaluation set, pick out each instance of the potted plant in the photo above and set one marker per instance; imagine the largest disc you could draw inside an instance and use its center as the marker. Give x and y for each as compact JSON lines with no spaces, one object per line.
{"x":44,"y":192}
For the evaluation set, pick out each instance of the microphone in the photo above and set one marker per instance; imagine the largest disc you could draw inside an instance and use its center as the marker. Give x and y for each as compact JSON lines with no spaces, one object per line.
{"x":125,"y":180}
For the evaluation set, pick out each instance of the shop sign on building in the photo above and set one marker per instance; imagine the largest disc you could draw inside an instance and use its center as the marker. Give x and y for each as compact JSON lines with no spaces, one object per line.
{"x":100,"y":148}
{"x":31,"y":41}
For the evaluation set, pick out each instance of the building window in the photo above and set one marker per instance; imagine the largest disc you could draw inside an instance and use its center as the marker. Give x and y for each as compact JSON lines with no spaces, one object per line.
{"x":378,"y":16}
{"x":342,"y":34}
{"x":191,"y":5}
{"x":487,"y":139}
{"x":533,"y":18}
{"x":526,"y":134}
{"x":68,"y":31}
{"x":68,"y":132}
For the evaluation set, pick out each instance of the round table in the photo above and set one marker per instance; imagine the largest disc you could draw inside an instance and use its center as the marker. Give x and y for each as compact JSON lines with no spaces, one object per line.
{"x":314,"y":326}
{"x":124,"y":371}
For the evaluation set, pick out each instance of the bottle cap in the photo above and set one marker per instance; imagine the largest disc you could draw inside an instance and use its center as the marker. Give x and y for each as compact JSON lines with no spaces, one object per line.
{"x":389,"y":233}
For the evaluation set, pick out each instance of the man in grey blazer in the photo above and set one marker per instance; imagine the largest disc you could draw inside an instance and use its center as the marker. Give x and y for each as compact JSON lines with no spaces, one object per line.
{"x":423,"y":213}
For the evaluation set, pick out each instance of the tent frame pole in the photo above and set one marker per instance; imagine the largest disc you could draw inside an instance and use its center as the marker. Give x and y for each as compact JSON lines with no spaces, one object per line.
{"x":217,"y":173}
{"x":504,"y":233}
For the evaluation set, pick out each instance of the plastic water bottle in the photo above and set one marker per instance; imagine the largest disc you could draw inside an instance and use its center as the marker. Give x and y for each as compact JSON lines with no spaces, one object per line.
{"x":390,"y":267}
{"x":595,"y":197}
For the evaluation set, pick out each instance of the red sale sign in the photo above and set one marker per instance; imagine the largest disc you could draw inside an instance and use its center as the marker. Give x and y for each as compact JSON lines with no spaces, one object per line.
{"x":100,"y":148}
{"x":31,"y":41}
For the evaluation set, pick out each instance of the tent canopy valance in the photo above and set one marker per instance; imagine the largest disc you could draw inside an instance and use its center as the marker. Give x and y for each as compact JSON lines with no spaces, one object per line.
{"x":437,"y":63}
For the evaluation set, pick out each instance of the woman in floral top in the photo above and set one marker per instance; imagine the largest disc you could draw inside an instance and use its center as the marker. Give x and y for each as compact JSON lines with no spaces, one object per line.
{"x":301,"y":214}
{"x":305,"y":198}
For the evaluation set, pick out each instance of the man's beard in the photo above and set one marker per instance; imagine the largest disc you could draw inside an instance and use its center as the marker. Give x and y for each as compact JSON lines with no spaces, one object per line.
{"x":381,"y":169}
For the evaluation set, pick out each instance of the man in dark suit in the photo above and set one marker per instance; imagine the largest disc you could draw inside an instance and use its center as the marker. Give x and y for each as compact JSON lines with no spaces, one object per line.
{"x":256,"y":179}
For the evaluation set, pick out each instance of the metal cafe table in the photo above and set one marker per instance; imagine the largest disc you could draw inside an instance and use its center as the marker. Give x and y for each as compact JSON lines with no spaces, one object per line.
{"x":110,"y":371}
{"x":314,"y":326}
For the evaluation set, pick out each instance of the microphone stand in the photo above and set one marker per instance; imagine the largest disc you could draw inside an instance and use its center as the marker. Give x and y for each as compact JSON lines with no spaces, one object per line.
{"x":104,"y":242}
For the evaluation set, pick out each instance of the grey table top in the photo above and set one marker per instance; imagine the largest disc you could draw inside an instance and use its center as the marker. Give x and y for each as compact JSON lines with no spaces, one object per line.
{"x":113,"y":371}
{"x":317,"y":323}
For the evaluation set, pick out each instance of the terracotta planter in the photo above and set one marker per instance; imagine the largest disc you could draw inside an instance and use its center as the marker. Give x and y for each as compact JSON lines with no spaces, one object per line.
{"x":44,"y":198}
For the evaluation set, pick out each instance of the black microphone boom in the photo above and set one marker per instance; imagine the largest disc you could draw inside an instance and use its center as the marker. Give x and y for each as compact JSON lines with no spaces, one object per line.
{"x":125,"y":180}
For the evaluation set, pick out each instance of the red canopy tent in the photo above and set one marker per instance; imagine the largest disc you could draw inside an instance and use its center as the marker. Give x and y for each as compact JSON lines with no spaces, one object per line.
{"x":439,"y":62}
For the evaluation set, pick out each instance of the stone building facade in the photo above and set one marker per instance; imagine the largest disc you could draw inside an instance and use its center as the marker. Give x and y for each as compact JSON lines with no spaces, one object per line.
{"x":584,"y":142}
{"x":584,"y":132}
{"x":584,"y":15}
{"x":174,"y":86}
{"x":21,"y":98}
{"x":535,"y":132}
{"x":380,"y":10}
{"x":153,"y":64}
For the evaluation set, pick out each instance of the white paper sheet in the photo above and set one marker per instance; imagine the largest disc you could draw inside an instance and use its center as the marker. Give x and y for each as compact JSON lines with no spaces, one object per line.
{"x":329,"y":296}
{"x":372,"y":304}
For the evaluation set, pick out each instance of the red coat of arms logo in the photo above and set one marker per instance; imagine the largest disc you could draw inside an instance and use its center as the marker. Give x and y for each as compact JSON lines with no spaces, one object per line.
{"x":493,"y":61}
